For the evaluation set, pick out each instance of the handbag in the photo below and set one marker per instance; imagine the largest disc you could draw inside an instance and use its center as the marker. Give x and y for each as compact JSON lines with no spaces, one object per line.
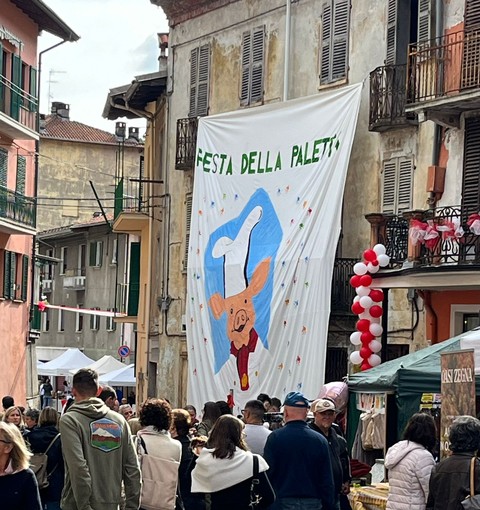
{"x":38,"y":464}
{"x":159,"y":480}
{"x":262,"y":494}
{"x":472,"y":501}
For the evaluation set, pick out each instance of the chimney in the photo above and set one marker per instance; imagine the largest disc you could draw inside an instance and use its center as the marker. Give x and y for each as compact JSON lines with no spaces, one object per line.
{"x":133,"y":133}
{"x":42,"y":123}
{"x":163,"y":45}
{"x":61,"y":110}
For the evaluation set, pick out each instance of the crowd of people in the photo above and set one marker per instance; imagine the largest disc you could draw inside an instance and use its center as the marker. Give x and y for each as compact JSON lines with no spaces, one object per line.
{"x":102,"y":455}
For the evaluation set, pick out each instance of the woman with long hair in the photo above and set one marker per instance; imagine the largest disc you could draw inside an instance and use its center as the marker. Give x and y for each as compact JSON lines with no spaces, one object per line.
{"x":224,"y":468}
{"x":14,"y":415}
{"x":18,"y":485}
{"x":211,"y":412}
{"x":40,"y":439}
{"x":409,"y":463}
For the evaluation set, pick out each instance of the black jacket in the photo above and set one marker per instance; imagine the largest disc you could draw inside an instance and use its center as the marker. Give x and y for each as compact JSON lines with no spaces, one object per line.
{"x":450,"y":482}
{"x":19,"y":491}
{"x":39,"y":439}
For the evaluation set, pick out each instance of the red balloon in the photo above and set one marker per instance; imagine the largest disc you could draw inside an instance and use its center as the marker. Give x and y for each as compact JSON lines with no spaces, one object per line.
{"x":363,"y":325}
{"x":355,"y":281}
{"x":376,"y":295}
{"x":365,"y":352}
{"x":366,"y":337}
{"x":365,"y":366}
{"x":374,"y":262}
{"x":376,"y":311}
{"x":357,"y":308}
{"x":366,"y":280}
{"x":369,"y":255}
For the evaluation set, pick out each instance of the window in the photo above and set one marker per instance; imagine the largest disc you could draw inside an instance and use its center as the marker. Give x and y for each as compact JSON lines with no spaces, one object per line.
{"x":199,"y":80}
{"x":9,"y":274}
{"x":63,"y":260}
{"x":33,"y":90}
{"x":397,"y":185}
{"x":111,"y":324}
{"x":95,"y":321}
{"x":79,"y":320}
{"x":24,"y":284}
{"x":96,"y":253}
{"x":82,"y":257}
{"x":471,"y":167}
{"x":113,"y":259}
{"x":45,"y":326}
{"x":188,"y":218}
{"x":3,"y":167}
{"x":253,"y":54}
{"x":61,"y":320}
{"x":335,"y":31}
{"x":21,"y":173}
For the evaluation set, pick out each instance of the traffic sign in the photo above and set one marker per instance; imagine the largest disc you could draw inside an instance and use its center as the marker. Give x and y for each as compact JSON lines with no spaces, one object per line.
{"x":124,"y":351}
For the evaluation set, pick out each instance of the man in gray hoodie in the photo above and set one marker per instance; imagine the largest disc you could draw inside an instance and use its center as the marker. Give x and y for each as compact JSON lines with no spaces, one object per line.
{"x":98,"y":450}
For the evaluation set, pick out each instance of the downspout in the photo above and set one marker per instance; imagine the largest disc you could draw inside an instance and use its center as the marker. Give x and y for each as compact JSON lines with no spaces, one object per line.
{"x":286,"y":63}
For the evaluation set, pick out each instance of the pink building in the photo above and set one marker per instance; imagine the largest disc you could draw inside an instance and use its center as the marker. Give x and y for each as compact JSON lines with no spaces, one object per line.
{"x":21,"y":22}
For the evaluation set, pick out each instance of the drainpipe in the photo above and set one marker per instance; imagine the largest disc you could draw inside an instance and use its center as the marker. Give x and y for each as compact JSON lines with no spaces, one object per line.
{"x":286,"y":63}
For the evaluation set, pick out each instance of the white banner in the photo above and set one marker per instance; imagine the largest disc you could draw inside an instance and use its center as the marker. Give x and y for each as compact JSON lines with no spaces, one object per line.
{"x":265,"y":223}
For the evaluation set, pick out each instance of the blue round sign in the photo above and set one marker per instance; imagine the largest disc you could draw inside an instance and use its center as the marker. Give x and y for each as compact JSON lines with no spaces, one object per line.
{"x":124,"y":351}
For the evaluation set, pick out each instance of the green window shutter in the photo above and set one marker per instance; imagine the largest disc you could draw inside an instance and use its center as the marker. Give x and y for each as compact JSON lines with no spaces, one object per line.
{"x":258,"y":55}
{"x":193,"y":81}
{"x":389,"y":185}
{"x":203,"y":81}
{"x":16,"y":88}
{"x":246,"y":64}
{"x":327,"y":14}
{"x":21,"y":174}
{"x":391,"y":32}
{"x":3,"y":167}
{"x":7,"y":288}
{"x":24,"y":277}
{"x":134,"y":280}
{"x":93,"y":254}
{"x":471,"y":167}
{"x":33,"y":89}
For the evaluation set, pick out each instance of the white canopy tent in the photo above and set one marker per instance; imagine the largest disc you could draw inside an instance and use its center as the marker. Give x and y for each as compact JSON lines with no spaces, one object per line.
{"x":102,"y":366}
{"x":123,"y":377}
{"x":71,"y":359}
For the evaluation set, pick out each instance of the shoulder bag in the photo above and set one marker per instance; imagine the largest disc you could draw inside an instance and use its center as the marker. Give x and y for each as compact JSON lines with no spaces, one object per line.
{"x":38,"y":464}
{"x":262,"y":494}
{"x":472,"y":501}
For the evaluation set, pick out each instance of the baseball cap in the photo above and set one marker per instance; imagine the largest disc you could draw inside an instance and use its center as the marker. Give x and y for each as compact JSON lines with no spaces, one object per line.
{"x":324,"y":404}
{"x":296,"y":399}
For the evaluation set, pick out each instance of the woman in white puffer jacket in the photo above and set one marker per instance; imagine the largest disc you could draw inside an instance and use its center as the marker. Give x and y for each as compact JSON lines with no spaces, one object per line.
{"x":409,"y":463}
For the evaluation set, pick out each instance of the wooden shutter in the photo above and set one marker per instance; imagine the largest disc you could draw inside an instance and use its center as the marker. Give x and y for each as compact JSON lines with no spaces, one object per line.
{"x":258,"y":51}
{"x":424,"y":20}
{"x":16,"y":88}
{"x":193,"y":81}
{"x":203,"y":81}
{"x":7,"y":287}
{"x":404,"y":188}
{"x":391,"y":32}
{"x":389,"y":185}
{"x":21,"y":173}
{"x":397,"y":185}
{"x":92,"y":261}
{"x":471,"y":167}
{"x":246,"y":64}
{"x":472,"y":14}
{"x":3,"y":167}
{"x":188,"y":219}
{"x":24,"y":277}
{"x":325,"y":75}
{"x":134,"y":280}
{"x":340,"y":38}
{"x":33,"y":89}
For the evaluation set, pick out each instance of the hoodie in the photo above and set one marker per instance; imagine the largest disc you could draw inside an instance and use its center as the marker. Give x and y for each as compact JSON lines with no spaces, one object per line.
{"x":409,"y":466}
{"x":99,"y":454}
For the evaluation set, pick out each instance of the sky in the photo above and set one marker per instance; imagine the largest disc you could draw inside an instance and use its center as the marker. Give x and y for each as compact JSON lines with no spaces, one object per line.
{"x":118,"y":41}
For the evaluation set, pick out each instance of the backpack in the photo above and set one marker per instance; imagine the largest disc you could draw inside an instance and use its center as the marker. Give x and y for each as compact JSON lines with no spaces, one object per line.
{"x":159,"y":480}
{"x":38,"y":464}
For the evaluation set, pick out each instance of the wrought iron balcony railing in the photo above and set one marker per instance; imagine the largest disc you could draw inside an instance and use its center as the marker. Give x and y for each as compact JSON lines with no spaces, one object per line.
{"x":342,"y":292}
{"x":444,"y":66}
{"x":17,"y":207}
{"x":17,"y":103}
{"x":129,"y":198}
{"x":388,"y":91}
{"x":395,"y":239}
{"x":186,"y":143}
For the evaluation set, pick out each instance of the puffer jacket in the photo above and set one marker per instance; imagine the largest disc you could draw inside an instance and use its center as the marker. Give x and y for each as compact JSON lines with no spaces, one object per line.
{"x":409,"y":467}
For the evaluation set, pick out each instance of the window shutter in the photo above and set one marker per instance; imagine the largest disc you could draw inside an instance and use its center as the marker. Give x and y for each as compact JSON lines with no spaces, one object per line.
{"x":391,"y":32}
{"x":24,"y":277}
{"x":188,"y":219}
{"x":405,"y":178}
{"x":21,"y":173}
{"x":134,"y":280}
{"x":99,"y":260}
{"x":246,"y":63}
{"x":258,"y":50}
{"x":471,"y":167}
{"x":193,"y":82}
{"x":203,"y":80}
{"x":472,"y":14}
{"x":93,"y":254}
{"x":325,"y":75}
{"x":340,"y":39}
{"x":424,"y":20}
{"x":3,"y":167}
{"x":33,"y":89}
{"x":7,"y":288}
{"x":17,"y":85}
{"x":389,"y":185}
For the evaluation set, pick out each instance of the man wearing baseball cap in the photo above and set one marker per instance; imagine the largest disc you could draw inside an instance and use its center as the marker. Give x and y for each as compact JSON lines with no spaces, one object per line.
{"x":299,"y":459}
{"x":324,"y":413}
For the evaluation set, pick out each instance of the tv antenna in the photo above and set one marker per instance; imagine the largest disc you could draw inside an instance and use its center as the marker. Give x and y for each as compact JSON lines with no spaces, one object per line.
{"x":50,"y":80}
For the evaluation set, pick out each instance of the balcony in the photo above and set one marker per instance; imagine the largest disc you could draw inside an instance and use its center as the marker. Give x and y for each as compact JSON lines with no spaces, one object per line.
{"x":74,"y":279}
{"x":444,"y":77}
{"x":342,"y":292}
{"x":18,"y":112}
{"x":127,"y":301}
{"x":186,"y":143}
{"x":388,"y":91}
{"x":17,"y":213}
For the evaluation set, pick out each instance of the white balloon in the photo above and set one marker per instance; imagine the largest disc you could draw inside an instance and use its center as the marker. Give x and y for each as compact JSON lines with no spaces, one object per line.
{"x":375,"y":346}
{"x":360,"y":268}
{"x":365,"y":315}
{"x":355,"y":338}
{"x":383,"y":260}
{"x":355,"y":358}
{"x":363,"y":291}
{"x":374,"y":360}
{"x":372,"y":269}
{"x":379,"y":249}
{"x":356,"y":299}
{"x":366,"y":302}
{"x":376,"y":329}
